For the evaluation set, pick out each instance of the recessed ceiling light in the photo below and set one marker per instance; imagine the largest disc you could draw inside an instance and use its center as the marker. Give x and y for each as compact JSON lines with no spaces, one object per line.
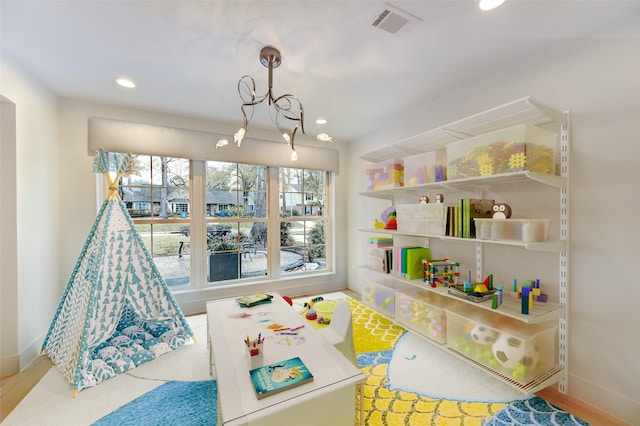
{"x":489,"y":4}
{"x":124,"y":82}
{"x":321,"y":121}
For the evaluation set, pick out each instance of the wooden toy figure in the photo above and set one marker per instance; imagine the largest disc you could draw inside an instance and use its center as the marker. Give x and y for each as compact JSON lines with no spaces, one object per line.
{"x":501,"y":211}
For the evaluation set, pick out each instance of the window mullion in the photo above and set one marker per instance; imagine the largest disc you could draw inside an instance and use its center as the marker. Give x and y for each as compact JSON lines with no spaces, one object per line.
{"x":273,"y":222}
{"x":198,"y":224}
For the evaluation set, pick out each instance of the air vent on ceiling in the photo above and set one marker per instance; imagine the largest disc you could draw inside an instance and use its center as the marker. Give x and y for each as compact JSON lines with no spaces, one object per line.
{"x":395,"y":21}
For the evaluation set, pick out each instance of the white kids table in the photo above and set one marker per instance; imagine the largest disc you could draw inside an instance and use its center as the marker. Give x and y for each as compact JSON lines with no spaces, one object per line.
{"x":330,"y":399}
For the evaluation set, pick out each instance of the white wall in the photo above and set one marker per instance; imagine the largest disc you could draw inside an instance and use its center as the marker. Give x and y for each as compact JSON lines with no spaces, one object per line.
{"x":36,"y":210}
{"x":599,"y":82}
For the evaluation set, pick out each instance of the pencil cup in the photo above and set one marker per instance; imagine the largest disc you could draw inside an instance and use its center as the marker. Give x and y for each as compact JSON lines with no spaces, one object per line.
{"x":255,"y":349}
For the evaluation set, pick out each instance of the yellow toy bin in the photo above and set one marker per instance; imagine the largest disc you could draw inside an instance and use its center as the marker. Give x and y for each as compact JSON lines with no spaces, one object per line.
{"x":517,"y":148}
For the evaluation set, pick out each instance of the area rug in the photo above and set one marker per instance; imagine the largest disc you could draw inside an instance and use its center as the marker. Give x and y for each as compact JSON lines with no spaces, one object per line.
{"x":171,"y":389}
{"x":192,"y":403}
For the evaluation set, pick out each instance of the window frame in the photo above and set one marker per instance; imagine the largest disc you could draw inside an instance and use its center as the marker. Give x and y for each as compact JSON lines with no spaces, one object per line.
{"x":197,"y":221}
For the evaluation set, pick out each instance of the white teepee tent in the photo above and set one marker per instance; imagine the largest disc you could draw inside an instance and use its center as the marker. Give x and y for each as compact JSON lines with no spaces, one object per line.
{"x":116,"y":311}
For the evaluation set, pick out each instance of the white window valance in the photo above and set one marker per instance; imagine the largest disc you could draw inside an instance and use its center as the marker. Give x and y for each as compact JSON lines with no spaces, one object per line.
{"x":139,"y":138}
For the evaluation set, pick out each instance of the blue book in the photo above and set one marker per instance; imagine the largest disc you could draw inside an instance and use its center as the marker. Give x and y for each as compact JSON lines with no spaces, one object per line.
{"x":279,"y":376}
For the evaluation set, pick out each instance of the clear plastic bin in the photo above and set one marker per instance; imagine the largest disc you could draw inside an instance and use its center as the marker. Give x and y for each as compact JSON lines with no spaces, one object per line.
{"x":384,"y":175}
{"x":517,"y":148}
{"x":424,"y":311}
{"x":425,"y":168}
{"x":420,"y":211}
{"x":522,"y":230}
{"x":421,"y":226}
{"x":514,"y":349}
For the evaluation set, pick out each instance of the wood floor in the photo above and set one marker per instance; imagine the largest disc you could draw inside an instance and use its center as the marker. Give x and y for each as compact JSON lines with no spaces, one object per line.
{"x":14,"y":388}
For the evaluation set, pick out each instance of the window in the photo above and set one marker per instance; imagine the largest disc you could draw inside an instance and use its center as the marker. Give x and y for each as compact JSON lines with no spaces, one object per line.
{"x":303,"y":225}
{"x":158,"y":201}
{"x":236,"y":221}
{"x":250,"y":219}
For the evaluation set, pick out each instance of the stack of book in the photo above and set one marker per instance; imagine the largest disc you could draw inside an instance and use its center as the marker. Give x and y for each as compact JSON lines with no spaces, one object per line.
{"x":254,"y":299}
{"x":409,"y":261}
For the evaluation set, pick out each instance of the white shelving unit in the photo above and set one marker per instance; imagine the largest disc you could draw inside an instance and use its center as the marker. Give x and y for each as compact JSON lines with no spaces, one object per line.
{"x":521,"y":111}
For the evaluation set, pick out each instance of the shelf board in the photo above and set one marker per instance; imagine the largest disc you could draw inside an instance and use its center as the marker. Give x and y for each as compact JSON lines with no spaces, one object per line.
{"x":541,"y":312}
{"x":555,"y":246}
{"x":524,"y":110}
{"x":554,"y":181}
{"x":539,"y":382}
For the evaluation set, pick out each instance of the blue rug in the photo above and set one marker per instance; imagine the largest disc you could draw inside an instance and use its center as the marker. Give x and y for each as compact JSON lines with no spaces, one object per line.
{"x":173,"y":403}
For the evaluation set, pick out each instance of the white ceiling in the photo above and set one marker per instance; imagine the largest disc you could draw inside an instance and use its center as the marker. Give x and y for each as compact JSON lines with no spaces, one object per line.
{"x":187,"y":56}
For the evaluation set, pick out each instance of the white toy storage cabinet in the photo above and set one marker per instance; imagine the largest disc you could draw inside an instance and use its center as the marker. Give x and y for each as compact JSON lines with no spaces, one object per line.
{"x":536,"y":197}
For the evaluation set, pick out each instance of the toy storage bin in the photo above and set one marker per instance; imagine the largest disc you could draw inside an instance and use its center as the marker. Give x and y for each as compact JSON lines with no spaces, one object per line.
{"x":420,"y":211}
{"x":381,"y":297}
{"x":522,"y":230}
{"x":424,"y":311}
{"x":513,"y":349}
{"x":425,"y":168}
{"x":384,"y":175}
{"x":421,"y":226}
{"x":521,"y":147}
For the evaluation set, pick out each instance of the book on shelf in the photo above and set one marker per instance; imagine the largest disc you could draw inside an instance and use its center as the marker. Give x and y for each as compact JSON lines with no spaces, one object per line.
{"x":380,"y":259}
{"x":409,"y":264}
{"x":279,"y":376}
{"x":461,"y":223}
{"x":254,"y":299}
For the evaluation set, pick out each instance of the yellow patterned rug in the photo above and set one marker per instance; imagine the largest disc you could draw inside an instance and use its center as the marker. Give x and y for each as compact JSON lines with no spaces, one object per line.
{"x":375,"y":338}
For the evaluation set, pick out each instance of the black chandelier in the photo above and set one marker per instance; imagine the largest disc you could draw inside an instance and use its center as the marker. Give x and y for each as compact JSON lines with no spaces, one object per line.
{"x":285,"y":110}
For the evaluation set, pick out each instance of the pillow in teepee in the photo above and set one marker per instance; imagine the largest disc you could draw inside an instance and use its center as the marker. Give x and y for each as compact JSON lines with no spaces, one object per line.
{"x":141,"y":357}
{"x":101,"y":346}
{"x":121,"y":364}
{"x":173,"y":339}
{"x":160,"y":348}
{"x":159,"y":330}
{"x":135,"y":332}
{"x":121,"y":341}
{"x":100,"y":370}
{"x":124,"y":323}
{"x":130,"y":350}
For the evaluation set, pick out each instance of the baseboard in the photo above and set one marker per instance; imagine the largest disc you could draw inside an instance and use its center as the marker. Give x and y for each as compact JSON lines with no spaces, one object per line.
{"x":9,"y":365}
{"x":616,"y":405}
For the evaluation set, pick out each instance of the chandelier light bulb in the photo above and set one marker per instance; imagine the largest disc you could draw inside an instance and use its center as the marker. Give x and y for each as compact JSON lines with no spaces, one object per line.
{"x":489,"y":4}
{"x":239,"y":136}
{"x":294,"y":155}
{"x":221,"y":143}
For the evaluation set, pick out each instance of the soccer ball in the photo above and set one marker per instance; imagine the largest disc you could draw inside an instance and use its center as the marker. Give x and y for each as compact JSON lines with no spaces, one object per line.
{"x":511,"y":351}
{"x":483,"y":335}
